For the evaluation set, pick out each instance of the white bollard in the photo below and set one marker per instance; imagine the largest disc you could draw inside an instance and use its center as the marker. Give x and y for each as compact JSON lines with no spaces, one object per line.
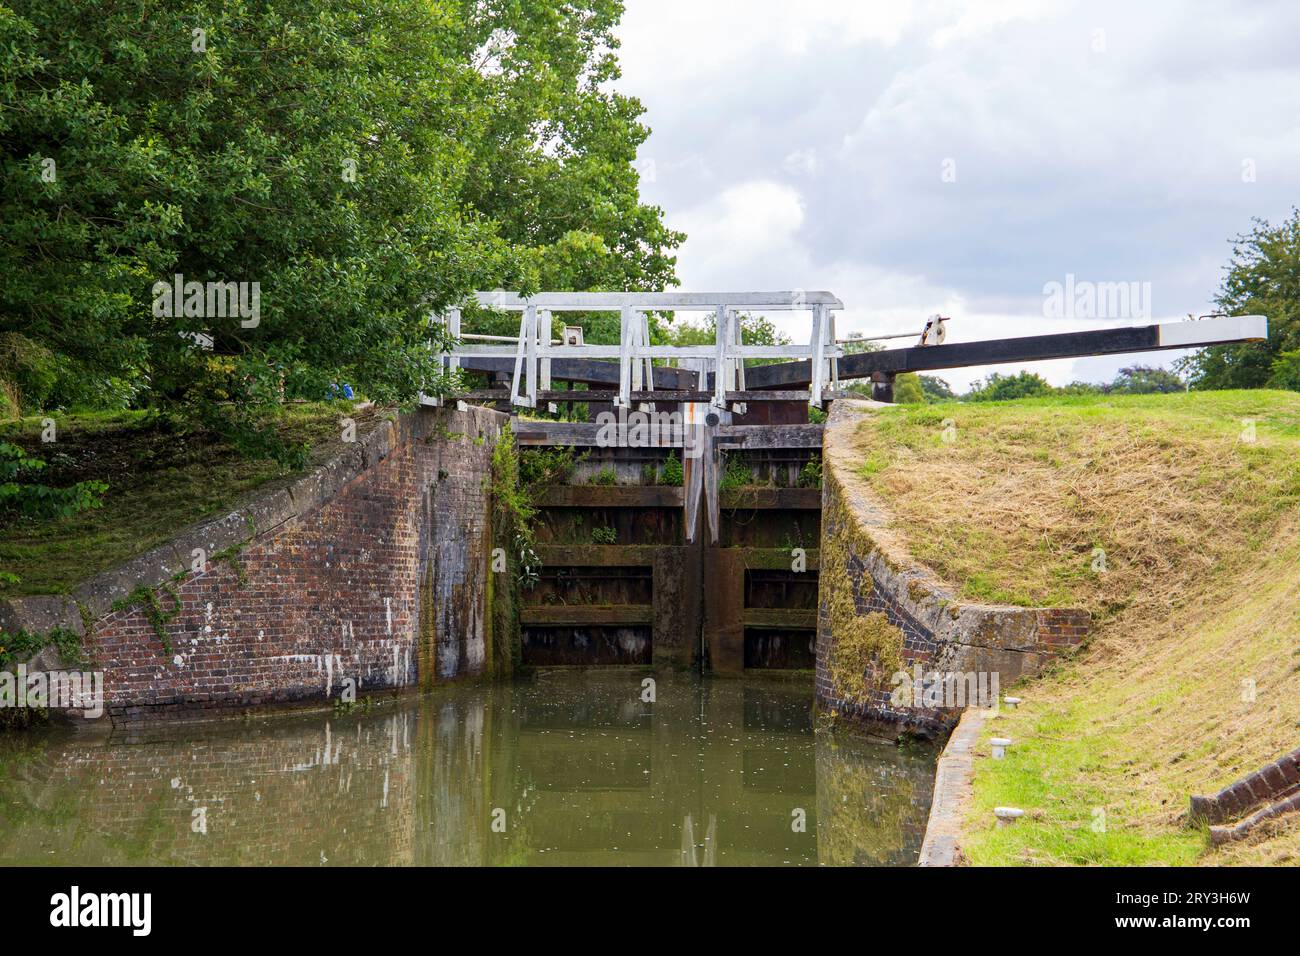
{"x":1012,"y":702}
{"x":1007,"y":815}
{"x":1000,"y":745}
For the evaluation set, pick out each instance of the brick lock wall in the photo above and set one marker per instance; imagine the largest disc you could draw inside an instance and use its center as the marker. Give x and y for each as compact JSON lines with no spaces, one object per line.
{"x":383,"y":582}
{"x":939,"y":632}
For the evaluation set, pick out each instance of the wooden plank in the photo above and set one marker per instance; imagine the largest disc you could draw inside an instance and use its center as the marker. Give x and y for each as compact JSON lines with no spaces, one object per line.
{"x":519,"y":360}
{"x":721,"y":329}
{"x":607,"y":555}
{"x":581,"y":434}
{"x":781,"y":617}
{"x":624,"y":357}
{"x":770,"y":436}
{"x":1032,"y":348}
{"x":642,"y":351}
{"x":531,"y":351}
{"x":802,"y":499}
{"x":678,"y":601}
{"x":587,"y":614}
{"x":610,"y":496}
{"x":779,"y":559}
{"x":585,"y":370}
{"x":724,"y":603}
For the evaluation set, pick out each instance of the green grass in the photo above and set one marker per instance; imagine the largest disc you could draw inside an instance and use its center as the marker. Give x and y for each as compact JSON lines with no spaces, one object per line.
{"x":1069,"y":818}
{"x":1138,"y":476}
{"x":160,"y":480}
{"x":1200,"y":530}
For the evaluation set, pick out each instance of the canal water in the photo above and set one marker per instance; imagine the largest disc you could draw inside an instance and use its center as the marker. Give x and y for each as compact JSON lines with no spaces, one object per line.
{"x":567,"y":768}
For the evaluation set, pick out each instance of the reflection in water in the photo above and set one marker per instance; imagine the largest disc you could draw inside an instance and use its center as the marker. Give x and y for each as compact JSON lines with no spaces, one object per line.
{"x":570,"y":769}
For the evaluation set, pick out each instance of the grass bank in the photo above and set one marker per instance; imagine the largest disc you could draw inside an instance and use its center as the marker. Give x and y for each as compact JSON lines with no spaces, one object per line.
{"x":1175,"y":519}
{"x":160,"y":479}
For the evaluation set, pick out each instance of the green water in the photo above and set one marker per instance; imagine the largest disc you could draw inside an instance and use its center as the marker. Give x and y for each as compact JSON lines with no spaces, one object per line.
{"x":569,"y":768}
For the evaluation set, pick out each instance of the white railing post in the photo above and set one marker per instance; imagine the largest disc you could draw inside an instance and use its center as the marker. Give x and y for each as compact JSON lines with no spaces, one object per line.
{"x":635,"y":363}
{"x":434,"y":401}
{"x":815,"y":359}
{"x":722,"y":330}
{"x":520,"y":347}
{"x":530,"y":316}
{"x":736,"y":374}
{"x":544,"y":353}
{"x":834,"y":361}
{"x":625,"y":320}
{"x":649,"y":362}
{"x":452,"y":325}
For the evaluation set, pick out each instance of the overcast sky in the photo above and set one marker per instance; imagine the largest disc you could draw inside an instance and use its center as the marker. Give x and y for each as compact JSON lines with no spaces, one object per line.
{"x":915,"y":158}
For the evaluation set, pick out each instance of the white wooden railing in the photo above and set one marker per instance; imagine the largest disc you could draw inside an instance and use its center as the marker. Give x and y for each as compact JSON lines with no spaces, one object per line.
{"x":533,"y":349}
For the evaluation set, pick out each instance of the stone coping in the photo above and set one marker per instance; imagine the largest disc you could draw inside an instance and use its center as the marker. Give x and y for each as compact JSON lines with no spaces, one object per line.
{"x":952,"y":792}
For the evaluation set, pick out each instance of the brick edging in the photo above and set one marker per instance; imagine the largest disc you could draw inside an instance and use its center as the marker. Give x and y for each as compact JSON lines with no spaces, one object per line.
{"x":1278,"y":778}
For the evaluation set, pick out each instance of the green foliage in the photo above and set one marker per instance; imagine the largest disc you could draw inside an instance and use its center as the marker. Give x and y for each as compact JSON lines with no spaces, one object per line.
{"x":1144,"y":380}
{"x":1263,"y":277}
{"x":158,"y":616}
{"x":672,"y":472}
{"x":363,"y":161}
{"x":810,"y":475}
{"x":998,"y":387}
{"x":606,"y":476}
{"x":604,"y":536}
{"x":21,"y":497}
{"x":936,"y":389}
{"x":552,"y":146}
{"x":908,"y":390}
{"x":736,"y":473}
{"x":30,"y":369}
{"x":513,"y":507}
{"x":1285,"y":372}
{"x":816,"y":416}
{"x":1081,"y":388}
{"x":539,"y":467}
{"x":755,"y":330}
{"x":20,"y":645}
{"x":855,"y":344}
{"x":230,"y":555}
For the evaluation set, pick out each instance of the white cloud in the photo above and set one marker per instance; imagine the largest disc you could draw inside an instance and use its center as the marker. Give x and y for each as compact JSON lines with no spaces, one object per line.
{"x":747,"y":230}
{"x":801,"y":146}
{"x":801,"y":162}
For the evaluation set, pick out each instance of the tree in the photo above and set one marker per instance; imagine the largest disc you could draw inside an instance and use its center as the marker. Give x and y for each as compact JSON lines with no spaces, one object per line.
{"x":908,"y":389}
{"x":555,"y":152}
{"x":936,"y":389}
{"x":355,"y":163}
{"x":1263,"y":277}
{"x":997,"y":387}
{"x":754,"y":329}
{"x":1285,"y":372}
{"x":1144,"y":380}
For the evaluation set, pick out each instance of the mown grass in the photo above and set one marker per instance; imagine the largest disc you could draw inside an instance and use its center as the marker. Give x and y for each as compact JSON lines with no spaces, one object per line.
{"x":1191,"y":678}
{"x":161,"y":478}
{"x":1013,"y":506}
